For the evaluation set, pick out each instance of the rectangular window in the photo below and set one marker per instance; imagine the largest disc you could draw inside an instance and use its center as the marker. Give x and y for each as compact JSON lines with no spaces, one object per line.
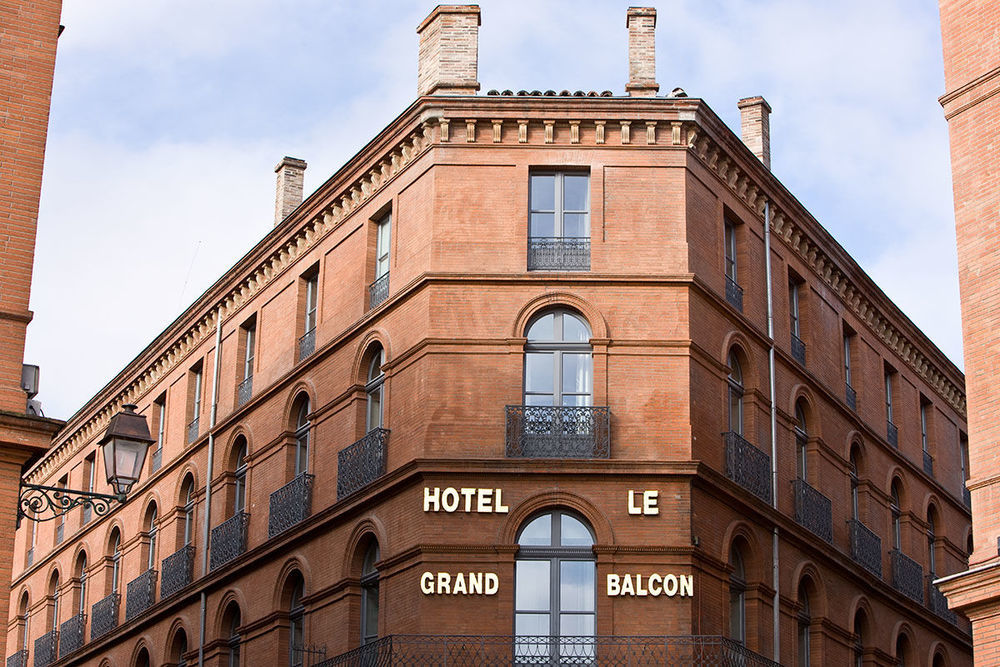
{"x":195,"y":380}
{"x":308,"y":299}
{"x":925,"y":429}
{"x":378,"y":291}
{"x":963,"y":446}
{"x":248,"y":343}
{"x":160,"y":412}
{"x":734,"y":293}
{"x":851,"y":395}
{"x":892,"y":434}
{"x":61,"y":521}
{"x":923,"y":424}
{"x":312,"y":287}
{"x":795,"y":319}
{"x":559,"y":221}
{"x":89,"y":471}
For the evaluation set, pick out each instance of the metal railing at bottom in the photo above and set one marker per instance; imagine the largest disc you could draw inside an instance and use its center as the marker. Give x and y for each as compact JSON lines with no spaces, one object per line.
{"x":507,"y":650}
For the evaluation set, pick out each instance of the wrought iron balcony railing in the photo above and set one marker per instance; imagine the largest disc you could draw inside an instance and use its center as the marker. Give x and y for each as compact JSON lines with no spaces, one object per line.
{"x":290,"y":504}
{"x":907,"y":575}
{"x":71,"y":635}
{"x":967,"y":497}
{"x":229,"y":539}
{"x":748,"y":466}
{"x":866,"y":547}
{"x":938,"y":603}
{"x":245,"y":391}
{"x":104,"y":616}
{"x":177,"y":570}
{"x":193,"y":429}
{"x":558,"y":432}
{"x":928,"y":464}
{"x":798,"y":350}
{"x":813,"y":510}
{"x":734,"y":294}
{"x":307,"y":656}
{"x":19,"y":659}
{"x":851,"y":397}
{"x":507,"y":651}
{"x":140,"y":594}
{"x":378,"y":291}
{"x":307,"y":343}
{"x":892,"y":434}
{"x":558,"y":253}
{"x":362,"y":463}
{"x":47,"y":649}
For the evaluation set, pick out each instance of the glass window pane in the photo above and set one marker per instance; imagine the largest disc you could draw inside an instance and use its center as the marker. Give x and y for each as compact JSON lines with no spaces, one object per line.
{"x":531,"y":625}
{"x":542,"y":225}
{"x":538,"y":399}
{"x":371,"y":611}
{"x":532,"y":591}
{"x":576,"y":625}
{"x":538,"y":533}
{"x":575,"y":226}
{"x":576,"y":586}
{"x":573,"y":533}
{"x":576,"y":401}
{"x":575,"y":330}
{"x":576,"y":373}
{"x":543,"y":189}
{"x":575,"y":192}
{"x":538,"y":372}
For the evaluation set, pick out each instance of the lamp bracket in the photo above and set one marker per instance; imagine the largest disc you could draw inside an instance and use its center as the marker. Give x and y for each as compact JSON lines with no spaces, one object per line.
{"x":44,"y":503}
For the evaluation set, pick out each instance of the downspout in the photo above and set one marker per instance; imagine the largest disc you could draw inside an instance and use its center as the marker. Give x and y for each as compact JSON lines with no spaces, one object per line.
{"x":208,"y":483}
{"x":775,"y":579}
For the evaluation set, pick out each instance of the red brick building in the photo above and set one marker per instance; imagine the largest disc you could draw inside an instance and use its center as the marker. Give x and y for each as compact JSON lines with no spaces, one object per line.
{"x":972,"y":79}
{"x":534,"y":378}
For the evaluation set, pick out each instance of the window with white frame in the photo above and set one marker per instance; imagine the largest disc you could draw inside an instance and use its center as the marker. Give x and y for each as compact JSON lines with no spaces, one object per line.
{"x":559,"y":221}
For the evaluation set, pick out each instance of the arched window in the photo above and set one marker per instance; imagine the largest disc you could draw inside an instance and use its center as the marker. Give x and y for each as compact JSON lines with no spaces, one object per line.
{"x":374,"y":387}
{"x":859,"y":639}
{"x":801,"y":439}
{"x":296,"y":621}
{"x":81,"y":575}
{"x":142,"y":660}
{"x":554,"y":586}
{"x":116,"y":560}
{"x":902,"y":651}
{"x":24,"y":609}
{"x":369,"y":594}
{"x":558,"y":365}
{"x":302,"y":436}
{"x":737,"y":595}
{"x":804,"y":621}
{"x":735,"y":394}
{"x":187,"y":497}
{"x":853,"y":471}
{"x":240,"y":477}
{"x":894,"y":509}
{"x":931,"y":556}
{"x":54,"y":594}
{"x":178,"y":648}
{"x":151,"y":516}
{"x":231,"y":622}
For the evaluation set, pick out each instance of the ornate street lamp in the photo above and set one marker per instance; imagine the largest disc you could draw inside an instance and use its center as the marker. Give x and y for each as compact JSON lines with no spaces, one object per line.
{"x":124,"y":445}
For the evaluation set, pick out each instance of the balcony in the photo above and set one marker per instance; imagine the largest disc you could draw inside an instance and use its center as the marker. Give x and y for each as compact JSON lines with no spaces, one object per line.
{"x":798,"y":350}
{"x":71,"y":635}
{"x":193,"y":430}
{"x":245,"y":391}
{"x":503,"y":651}
{"x":362,"y":463}
{"x":104,"y":616}
{"x":866,"y":547}
{"x":813,"y":510}
{"x":177,"y":569}
{"x":734,"y":294}
{"x":47,"y":649}
{"x":290,"y":504}
{"x":892,"y":434}
{"x":907,"y":576}
{"x":307,"y":343}
{"x":378,"y":291}
{"x":558,"y":432}
{"x":851,"y":396}
{"x":229,"y":540}
{"x":748,"y":466}
{"x":563,"y":253}
{"x":19,"y":659}
{"x":928,"y":464}
{"x":938,"y":603}
{"x":140,"y":594}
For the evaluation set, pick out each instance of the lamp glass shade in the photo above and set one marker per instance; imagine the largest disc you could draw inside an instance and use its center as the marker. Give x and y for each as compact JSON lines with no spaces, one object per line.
{"x":123,"y":460}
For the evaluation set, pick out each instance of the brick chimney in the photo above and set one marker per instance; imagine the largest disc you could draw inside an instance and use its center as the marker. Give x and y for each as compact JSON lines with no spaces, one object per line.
{"x":449,"y":51}
{"x":641,"y":24}
{"x":755,"y":127}
{"x":288,"y":192}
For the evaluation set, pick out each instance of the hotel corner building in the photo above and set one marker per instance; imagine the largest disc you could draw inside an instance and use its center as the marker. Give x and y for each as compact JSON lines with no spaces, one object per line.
{"x":534,"y":378}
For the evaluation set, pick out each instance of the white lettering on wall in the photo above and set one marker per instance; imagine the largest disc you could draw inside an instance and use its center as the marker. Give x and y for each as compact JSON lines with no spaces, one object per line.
{"x":462,"y":583}
{"x":466,"y":499}
{"x":643,"y":503}
{"x":653,"y":585}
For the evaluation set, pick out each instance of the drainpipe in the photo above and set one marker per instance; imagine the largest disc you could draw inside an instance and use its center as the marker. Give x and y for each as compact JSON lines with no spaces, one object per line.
{"x":775,"y":579}
{"x":208,"y":483}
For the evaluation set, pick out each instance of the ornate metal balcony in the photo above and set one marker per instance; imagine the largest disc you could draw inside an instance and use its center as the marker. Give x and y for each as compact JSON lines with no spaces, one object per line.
{"x":505,"y":651}
{"x":157,"y":457}
{"x":866,"y":547}
{"x":378,"y":291}
{"x":938,"y":603}
{"x":734,"y":294}
{"x":559,"y":253}
{"x":813,"y":510}
{"x":140,"y":594}
{"x":892,"y":434}
{"x":290,"y":504}
{"x":748,"y":466}
{"x":245,"y":391}
{"x":967,"y":497}
{"x":193,"y":430}
{"x":798,"y":350}
{"x":907,"y":575}
{"x":362,"y":463}
{"x":104,"y":616}
{"x":177,"y":569}
{"x":851,"y":397}
{"x":307,"y":343}
{"x":71,"y":635}
{"x":558,"y":432}
{"x":229,"y":539}
{"x":928,"y":464}
{"x":19,"y":659}
{"x":47,"y":649}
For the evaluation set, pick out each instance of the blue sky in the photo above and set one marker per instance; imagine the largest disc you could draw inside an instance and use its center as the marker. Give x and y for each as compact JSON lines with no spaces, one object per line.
{"x":168,"y":117}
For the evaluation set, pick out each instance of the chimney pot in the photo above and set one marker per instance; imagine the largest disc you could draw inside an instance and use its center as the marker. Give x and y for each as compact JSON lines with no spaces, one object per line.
{"x":288,"y":191}
{"x":641,"y":24}
{"x":448,"y":63}
{"x":755,"y":127}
